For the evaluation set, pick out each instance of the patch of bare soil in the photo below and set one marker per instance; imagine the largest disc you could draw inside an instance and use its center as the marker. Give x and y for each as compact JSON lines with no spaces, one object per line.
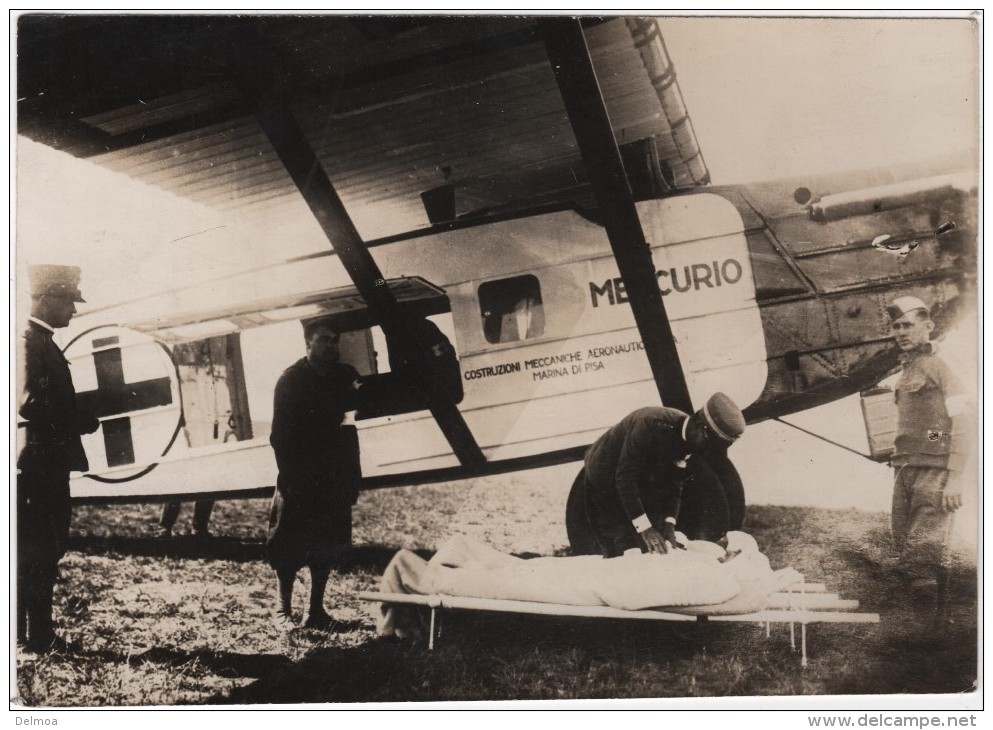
{"x":523,"y":513}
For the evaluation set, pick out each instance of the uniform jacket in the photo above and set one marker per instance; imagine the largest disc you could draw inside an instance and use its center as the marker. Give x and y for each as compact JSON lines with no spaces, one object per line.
{"x":927,"y":434}
{"x":646,"y":445}
{"x":48,"y":404}
{"x":315,"y":454}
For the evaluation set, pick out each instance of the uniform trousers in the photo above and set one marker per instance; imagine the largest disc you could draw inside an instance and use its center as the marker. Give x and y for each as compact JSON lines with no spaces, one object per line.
{"x":202,"y":509}
{"x":43,"y":516}
{"x":920,"y":525}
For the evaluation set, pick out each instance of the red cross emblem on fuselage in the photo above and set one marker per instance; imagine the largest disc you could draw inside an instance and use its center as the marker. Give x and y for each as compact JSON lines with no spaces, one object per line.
{"x":116,"y":398}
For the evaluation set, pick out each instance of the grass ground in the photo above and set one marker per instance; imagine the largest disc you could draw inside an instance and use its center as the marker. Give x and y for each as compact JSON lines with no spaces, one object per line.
{"x":184,"y":621}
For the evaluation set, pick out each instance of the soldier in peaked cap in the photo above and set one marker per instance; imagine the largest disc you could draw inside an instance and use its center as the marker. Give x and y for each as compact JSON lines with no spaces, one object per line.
{"x":52,"y":448}
{"x":660,"y":467}
{"x":51,"y":280}
{"x":931,"y":447}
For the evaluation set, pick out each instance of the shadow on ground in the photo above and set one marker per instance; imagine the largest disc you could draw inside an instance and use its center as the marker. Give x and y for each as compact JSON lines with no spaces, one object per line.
{"x":482,"y":657}
{"x":222,"y":663}
{"x":372,"y":558}
{"x":180,"y":547}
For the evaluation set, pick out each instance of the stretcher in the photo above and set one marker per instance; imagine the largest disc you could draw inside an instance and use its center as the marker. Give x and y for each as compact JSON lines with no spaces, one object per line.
{"x":799,"y":604}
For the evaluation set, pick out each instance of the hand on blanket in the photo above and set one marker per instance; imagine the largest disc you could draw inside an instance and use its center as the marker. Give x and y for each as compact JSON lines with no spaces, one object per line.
{"x":669,"y":535}
{"x":656,"y":541}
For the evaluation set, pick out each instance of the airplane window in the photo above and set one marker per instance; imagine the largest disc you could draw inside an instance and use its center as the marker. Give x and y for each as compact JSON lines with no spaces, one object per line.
{"x":511,"y":309}
{"x":773,"y":276}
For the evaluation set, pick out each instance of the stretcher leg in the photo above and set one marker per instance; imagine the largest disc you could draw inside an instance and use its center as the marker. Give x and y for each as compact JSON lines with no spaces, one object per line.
{"x":431,"y":630}
{"x":803,"y":645}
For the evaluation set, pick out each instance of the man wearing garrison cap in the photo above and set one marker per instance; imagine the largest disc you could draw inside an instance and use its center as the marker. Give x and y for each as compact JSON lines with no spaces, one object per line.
{"x":652,"y":471}
{"x":930,"y":450}
{"x":52,"y":448}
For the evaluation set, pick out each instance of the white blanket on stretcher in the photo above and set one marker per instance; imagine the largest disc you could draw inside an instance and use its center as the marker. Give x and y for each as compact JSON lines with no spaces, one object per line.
{"x":704,"y":578}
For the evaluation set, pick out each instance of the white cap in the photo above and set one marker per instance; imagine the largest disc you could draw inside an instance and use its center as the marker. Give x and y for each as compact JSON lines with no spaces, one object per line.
{"x":902,"y":306}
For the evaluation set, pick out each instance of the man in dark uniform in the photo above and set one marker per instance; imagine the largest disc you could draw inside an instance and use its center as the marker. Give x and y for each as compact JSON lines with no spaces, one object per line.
{"x":650,"y":472}
{"x":52,"y":448}
{"x":310,"y":523}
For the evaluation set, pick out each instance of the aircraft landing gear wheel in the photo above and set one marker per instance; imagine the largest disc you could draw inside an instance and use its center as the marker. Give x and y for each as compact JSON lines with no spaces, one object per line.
{"x":582,"y":540}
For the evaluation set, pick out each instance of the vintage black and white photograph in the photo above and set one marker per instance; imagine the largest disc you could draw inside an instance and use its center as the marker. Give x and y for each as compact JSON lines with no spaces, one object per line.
{"x":421,"y":359}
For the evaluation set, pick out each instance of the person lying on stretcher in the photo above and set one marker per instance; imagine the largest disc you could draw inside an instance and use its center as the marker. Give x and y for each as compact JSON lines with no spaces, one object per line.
{"x":735,"y":580}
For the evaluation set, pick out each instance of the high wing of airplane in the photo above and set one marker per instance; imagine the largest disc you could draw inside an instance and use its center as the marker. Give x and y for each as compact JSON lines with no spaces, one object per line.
{"x":392,"y":107}
{"x":533,"y":186}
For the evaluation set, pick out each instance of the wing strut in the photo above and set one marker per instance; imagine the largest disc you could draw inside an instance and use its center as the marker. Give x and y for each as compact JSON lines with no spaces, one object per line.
{"x":573,"y":67}
{"x":305,"y":168}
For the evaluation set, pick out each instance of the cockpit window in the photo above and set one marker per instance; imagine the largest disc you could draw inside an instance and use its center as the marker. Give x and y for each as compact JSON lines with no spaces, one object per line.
{"x":512,"y":309}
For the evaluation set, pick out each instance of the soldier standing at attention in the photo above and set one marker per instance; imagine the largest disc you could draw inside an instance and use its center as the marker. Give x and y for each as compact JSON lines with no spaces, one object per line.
{"x":931,"y":446}
{"x":52,"y":449}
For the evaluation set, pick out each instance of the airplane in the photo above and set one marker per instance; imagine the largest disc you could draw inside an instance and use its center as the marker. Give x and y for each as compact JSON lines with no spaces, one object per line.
{"x":575,"y":254}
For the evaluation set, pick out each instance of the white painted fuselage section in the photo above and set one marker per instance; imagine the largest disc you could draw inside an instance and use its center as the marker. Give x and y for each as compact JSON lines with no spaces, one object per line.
{"x":549,"y":353}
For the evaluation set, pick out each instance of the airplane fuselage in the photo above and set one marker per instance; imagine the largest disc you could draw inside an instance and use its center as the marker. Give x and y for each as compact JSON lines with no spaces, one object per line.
{"x":777,"y":309}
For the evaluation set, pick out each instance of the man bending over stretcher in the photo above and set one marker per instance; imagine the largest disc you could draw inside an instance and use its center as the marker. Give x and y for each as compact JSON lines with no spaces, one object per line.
{"x":658,"y":465}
